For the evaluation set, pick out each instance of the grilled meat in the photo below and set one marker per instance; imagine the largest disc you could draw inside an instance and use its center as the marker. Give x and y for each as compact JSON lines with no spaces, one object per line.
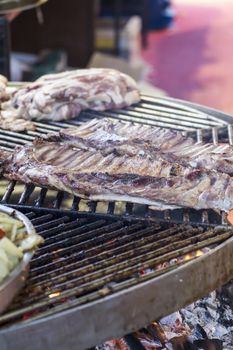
{"x":135,"y":178}
{"x":3,"y":89}
{"x":9,"y":117}
{"x":209,"y":156}
{"x":64,"y":95}
{"x":9,"y":120}
{"x":125,"y":137}
{"x":104,"y":134}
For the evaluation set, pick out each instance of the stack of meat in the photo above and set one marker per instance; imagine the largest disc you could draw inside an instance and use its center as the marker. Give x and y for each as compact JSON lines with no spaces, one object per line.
{"x":9,"y":117}
{"x":64,"y":95}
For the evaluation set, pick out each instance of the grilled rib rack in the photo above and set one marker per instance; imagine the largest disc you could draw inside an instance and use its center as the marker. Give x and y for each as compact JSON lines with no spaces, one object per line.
{"x":100,"y":275}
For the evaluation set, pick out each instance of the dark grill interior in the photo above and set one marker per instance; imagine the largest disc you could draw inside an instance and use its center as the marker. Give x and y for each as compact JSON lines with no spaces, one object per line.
{"x":86,"y":257}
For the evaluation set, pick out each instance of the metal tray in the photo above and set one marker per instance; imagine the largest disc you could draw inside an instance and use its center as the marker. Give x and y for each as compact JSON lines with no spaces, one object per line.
{"x":15,"y":281}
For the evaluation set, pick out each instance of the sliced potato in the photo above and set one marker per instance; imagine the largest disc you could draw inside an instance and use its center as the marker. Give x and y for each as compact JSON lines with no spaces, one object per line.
{"x":14,"y":241}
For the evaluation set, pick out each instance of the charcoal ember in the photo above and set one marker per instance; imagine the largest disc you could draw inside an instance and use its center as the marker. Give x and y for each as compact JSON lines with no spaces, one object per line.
{"x":157,"y":332}
{"x":225,"y":294}
{"x":151,"y":344}
{"x":115,"y":344}
{"x":145,"y":272}
{"x":182,"y":343}
{"x":199,"y":332}
{"x":148,"y":341}
{"x":134,"y":342}
{"x":217,"y":324}
{"x":173,"y":326}
{"x":206,"y":324}
{"x":209,"y":344}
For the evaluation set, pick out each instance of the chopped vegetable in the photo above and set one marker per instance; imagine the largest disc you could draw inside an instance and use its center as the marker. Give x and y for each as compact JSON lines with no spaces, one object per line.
{"x":14,"y":241}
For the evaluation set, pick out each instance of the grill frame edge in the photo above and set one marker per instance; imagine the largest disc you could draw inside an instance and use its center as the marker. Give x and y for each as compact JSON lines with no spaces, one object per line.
{"x":98,"y":321}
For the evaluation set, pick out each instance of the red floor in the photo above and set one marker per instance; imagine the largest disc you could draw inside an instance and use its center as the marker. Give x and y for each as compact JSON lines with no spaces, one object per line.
{"x":194,"y":59}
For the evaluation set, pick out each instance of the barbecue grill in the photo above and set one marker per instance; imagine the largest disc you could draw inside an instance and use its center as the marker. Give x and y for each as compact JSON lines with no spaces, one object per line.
{"x":111,"y":269}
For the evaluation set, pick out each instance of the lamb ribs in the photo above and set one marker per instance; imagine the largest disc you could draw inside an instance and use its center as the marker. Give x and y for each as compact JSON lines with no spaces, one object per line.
{"x":103,"y":160}
{"x":105,"y":135}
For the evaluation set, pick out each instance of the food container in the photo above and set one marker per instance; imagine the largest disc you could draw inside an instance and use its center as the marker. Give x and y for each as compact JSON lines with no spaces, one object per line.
{"x":15,"y":281}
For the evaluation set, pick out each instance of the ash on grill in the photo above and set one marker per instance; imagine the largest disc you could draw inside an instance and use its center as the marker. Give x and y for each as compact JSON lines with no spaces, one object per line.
{"x":206,"y":324}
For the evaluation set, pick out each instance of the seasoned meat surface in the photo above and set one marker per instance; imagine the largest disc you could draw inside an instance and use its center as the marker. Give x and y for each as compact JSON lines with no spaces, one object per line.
{"x":135,"y":169}
{"x":125,"y":137}
{"x":9,"y":120}
{"x":63,"y":96}
{"x":104,"y":133}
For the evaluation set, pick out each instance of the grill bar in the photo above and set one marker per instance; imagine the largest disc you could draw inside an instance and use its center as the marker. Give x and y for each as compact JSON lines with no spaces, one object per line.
{"x":36,"y":197}
{"x":26,"y":194}
{"x":164,"y":119}
{"x":56,"y":283}
{"x":40,"y":201}
{"x":151,"y":111}
{"x":8,"y":192}
{"x":223,"y":134}
{"x":16,"y":135}
{"x":100,"y":281}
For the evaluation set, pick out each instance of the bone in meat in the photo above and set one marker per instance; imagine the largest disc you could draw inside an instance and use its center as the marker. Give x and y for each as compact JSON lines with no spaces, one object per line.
{"x":104,"y":134}
{"x":139,"y":179}
{"x":129,"y":138}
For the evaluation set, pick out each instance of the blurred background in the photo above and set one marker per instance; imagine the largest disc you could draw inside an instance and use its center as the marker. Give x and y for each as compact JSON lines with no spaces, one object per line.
{"x":180,"y":48}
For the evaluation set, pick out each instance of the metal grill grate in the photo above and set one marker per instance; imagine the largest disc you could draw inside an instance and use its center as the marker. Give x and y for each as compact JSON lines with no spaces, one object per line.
{"x":88,"y":258}
{"x":167,"y":113}
{"x":204,"y":124}
{"x":100,"y":275}
{"x":29,"y":195}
